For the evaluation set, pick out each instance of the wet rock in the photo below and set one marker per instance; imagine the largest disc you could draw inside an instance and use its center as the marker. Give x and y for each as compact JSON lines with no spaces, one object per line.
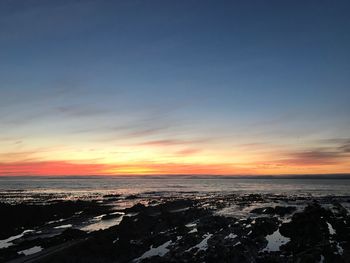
{"x":111,"y":216}
{"x":177,"y":205}
{"x":263,"y":210}
{"x":187,"y":231}
{"x":23,"y":216}
{"x":340,"y":210}
{"x":278,"y":210}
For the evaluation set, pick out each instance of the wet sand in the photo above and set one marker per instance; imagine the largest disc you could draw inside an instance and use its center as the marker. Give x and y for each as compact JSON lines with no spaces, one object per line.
{"x":195,"y":227}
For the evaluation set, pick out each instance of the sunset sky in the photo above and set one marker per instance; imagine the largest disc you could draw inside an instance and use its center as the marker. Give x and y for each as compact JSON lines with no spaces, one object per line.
{"x":174,"y":87}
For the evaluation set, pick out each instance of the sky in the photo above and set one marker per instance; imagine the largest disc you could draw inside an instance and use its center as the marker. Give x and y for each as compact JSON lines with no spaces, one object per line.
{"x":174,"y":87}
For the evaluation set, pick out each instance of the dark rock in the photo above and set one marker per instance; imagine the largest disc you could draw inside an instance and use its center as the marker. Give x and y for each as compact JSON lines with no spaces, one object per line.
{"x":265,"y":226}
{"x":131,"y":197}
{"x":73,"y":233}
{"x":136,"y":208}
{"x":284,"y":210}
{"x":307,"y":230}
{"x":112,"y":196}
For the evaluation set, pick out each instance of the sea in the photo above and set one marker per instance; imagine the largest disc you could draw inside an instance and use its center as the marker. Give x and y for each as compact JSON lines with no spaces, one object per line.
{"x":25,"y":188}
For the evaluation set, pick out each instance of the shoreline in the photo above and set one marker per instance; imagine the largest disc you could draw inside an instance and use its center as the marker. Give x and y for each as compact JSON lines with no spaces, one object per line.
{"x":194,"y":228}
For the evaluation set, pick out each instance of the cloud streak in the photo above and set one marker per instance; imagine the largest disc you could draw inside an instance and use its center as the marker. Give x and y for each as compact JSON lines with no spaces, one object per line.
{"x":189,"y":151}
{"x":171,"y":142}
{"x":314,"y":157}
{"x":337,"y":153}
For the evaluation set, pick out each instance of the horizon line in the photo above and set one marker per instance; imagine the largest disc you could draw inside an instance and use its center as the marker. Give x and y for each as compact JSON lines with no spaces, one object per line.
{"x":251,"y":176}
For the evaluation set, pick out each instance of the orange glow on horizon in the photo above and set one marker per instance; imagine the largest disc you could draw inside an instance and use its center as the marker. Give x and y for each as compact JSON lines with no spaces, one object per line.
{"x":168,"y":157}
{"x":65,"y":168}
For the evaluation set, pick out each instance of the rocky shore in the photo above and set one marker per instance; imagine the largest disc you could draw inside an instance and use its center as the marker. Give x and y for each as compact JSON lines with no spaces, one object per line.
{"x":206,"y":228}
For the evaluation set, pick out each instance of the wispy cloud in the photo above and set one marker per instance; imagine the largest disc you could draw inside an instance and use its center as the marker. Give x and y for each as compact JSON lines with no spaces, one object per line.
{"x":80,"y":110}
{"x":174,"y":142}
{"x":334,"y":151}
{"x":167,"y":142}
{"x":18,"y":156}
{"x":189,"y":151}
{"x":8,"y":139}
{"x":314,"y":157}
{"x":345,"y":147}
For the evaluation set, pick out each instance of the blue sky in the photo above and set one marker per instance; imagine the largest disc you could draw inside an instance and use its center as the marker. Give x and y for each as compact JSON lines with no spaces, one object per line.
{"x":233,"y":72}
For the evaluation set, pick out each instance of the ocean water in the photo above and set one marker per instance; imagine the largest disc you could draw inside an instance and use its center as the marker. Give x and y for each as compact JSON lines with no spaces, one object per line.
{"x":80,"y":187}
